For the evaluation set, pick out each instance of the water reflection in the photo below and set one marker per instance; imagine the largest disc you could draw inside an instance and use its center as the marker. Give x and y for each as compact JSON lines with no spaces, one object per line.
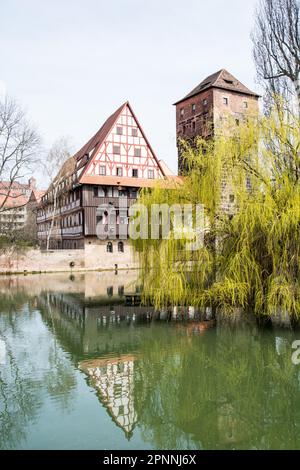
{"x":67,"y":348}
{"x":113,"y":380}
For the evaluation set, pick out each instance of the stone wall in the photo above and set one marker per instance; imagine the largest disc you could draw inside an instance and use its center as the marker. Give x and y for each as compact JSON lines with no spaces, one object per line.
{"x":93,"y":257}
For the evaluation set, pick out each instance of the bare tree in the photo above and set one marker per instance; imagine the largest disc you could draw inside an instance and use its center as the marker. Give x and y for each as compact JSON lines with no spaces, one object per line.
{"x":276,"y":40}
{"x":19,"y":144}
{"x":59,"y":154}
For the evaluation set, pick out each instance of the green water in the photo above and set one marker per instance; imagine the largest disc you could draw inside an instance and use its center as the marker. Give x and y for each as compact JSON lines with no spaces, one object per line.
{"x":79,"y":370}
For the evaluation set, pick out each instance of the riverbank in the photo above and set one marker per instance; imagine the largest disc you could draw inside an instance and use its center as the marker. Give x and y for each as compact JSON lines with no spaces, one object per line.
{"x":92,"y":258}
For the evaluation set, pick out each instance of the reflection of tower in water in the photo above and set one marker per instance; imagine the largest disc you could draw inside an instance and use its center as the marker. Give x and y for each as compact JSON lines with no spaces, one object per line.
{"x":113,"y":379}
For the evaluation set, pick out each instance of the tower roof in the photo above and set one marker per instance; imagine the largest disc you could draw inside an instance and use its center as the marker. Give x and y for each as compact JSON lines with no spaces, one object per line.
{"x":223,"y":80}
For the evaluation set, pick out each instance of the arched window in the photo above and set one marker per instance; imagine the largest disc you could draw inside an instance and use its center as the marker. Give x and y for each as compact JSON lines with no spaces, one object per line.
{"x":121,"y":247}
{"x":109,"y":247}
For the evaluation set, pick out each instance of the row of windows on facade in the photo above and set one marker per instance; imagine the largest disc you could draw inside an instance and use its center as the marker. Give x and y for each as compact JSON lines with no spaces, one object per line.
{"x":101,"y":191}
{"x":62,"y":185}
{"x":70,"y":221}
{"x":205,"y":102}
{"x":110,"y":293}
{"x":14,"y":212}
{"x":64,"y":201}
{"x":134,"y":131}
{"x":110,"y":248}
{"x":137,"y":151}
{"x":119,"y":172}
{"x":203,"y":121}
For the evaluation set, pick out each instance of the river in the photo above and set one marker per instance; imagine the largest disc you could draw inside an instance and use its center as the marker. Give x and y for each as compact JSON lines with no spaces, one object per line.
{"x":81,"y":370}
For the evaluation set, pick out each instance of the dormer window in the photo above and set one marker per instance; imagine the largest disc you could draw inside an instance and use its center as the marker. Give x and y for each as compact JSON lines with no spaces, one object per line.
{"x":229,"y":82}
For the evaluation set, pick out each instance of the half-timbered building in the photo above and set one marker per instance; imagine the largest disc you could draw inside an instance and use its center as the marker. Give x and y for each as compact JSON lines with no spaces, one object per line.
{"x":108,"y":170}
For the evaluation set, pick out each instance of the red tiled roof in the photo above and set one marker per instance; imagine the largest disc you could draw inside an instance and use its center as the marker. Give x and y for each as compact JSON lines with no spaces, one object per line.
{"x":169,"y":182}
{"x":17,"y":197}
{"x":13,"y":201}
{"x":221,"y":79}
{"x":83,"y":154}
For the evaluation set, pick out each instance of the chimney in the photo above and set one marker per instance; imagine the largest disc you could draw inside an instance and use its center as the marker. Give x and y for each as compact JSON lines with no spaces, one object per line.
{"x":32,"y":183}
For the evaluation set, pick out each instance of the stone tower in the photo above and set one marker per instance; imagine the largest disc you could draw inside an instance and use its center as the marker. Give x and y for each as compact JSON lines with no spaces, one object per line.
{"x":201,"y":110}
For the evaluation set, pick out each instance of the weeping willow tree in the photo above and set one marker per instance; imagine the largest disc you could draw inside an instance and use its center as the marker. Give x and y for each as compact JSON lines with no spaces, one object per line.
{"x":248,"y":180}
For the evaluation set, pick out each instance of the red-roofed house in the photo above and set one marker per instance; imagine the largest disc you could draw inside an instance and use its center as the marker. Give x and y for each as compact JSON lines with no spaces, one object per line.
{"x":109,"y":169}
{"x":17,"y":200}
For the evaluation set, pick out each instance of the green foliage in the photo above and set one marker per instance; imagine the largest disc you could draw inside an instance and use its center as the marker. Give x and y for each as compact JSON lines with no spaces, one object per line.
{"x":251,"y":253}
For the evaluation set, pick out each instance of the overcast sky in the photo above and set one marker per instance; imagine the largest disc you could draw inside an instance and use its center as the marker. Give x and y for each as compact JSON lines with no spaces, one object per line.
{"x":71,"y":63}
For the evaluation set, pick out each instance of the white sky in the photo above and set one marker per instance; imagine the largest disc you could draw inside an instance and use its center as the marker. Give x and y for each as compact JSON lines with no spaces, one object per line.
{"x":71,"y":63}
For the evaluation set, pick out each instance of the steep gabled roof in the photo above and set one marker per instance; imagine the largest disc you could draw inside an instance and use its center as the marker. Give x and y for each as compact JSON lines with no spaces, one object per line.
{"x":90,"y":149}
{"x":221,"y":79}
{"x":84,"y":154}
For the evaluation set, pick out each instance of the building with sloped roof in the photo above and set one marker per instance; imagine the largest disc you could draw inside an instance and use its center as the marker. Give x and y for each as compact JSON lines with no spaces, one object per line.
{"x":17,"y":201}
{"x":109,"y":170}
{"x":203,"y":110}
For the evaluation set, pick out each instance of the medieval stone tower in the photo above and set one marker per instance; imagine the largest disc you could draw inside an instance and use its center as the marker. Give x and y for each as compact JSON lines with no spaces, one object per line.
{"x":216,"y":97}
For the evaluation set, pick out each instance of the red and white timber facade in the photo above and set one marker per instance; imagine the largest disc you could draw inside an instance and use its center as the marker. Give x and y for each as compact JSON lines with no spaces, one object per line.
{"x":109,"y":169}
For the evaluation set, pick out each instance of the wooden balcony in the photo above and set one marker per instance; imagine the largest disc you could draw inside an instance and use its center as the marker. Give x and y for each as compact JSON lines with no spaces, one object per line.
{"x":59,"y":211}
{"x":78,"y":230}
{"x":116,"y":202}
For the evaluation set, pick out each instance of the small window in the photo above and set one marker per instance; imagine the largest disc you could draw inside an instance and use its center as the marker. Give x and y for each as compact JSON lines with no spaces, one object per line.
{"x":137,"y":152}
{"x":245,"y":104}
{"x":182,"y":112}
{"x":121,"y":291}
{"x":225,"y":100}
{"x":116,"y":149}
{"x":204,"y":102}
{"x":183,"y":129}
{"x":96,"y":191}
{"x":193,"y":125}
{"x":102,"y":170}
{"x":119,"y":171}
{"x":205,"y":118}
{"x":121,"y":247}
{"x":134,"y":173}
{"x":109,"y":247}
{"x":193,"y":108}
{"x":134,"y":132}
{"x":231,"y":197}
{"x":151,"y":174}
{"x":119,"y":130}
{"x":134,"y":194}
{"x":110,"y":291}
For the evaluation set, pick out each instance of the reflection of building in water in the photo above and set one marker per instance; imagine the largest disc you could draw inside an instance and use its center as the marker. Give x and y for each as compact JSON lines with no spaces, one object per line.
{"x":2,"y":352}
{"x":114,"y":381}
